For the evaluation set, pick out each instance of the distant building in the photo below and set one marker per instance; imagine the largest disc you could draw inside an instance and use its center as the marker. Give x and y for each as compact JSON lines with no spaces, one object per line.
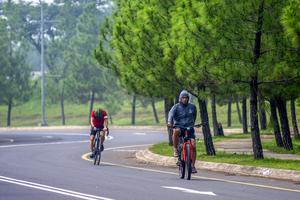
{"x":35,"y":75}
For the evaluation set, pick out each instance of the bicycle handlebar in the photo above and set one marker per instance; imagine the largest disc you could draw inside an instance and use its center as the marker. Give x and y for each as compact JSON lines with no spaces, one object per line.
{"x":196,"y":126}
{"x":107,"y":130}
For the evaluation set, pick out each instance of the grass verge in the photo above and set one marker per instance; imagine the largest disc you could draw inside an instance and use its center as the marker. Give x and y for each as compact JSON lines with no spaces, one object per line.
{"x":222,"y":157}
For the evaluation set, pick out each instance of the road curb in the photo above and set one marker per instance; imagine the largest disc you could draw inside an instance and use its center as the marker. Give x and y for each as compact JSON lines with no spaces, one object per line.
{"x":290,"y":175}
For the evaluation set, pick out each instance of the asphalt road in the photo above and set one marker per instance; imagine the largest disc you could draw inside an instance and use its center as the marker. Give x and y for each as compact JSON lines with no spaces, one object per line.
{"x":54,"y":164}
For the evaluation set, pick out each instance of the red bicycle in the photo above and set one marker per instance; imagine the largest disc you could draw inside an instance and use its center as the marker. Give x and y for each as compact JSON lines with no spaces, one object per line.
{"x":185,"y":152}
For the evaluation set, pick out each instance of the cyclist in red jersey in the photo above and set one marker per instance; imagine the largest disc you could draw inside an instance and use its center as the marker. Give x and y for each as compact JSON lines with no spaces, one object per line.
{"x":98,"y":121}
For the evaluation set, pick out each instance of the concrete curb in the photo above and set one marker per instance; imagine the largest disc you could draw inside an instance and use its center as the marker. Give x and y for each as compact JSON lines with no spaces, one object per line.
{"x":290,"y":175}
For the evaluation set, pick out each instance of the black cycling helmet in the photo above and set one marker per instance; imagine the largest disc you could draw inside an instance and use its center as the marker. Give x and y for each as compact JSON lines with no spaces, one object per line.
{"x":98,"y":113}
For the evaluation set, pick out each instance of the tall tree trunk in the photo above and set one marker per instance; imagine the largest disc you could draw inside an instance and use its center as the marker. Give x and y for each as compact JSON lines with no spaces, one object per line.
{"x":210,"y":149}
{"x":214,"y":115}
{"x":294,"y":119}
{"x":285,"y":129}
{"x":256,"y":141}
{"x":9,"y":108}
{"x":169,"y":102}
{"x":154,"y":111}
{"x":91,"y":105}
{"x":133,"y":106}
{"x":62,"y":105}
{"x":275,"y":124}
{"x":238,"y":109}
{"x":110,"y":119}
{"x":229,"y":112}
{"x":244,"y":112}
{"x":262,"y":113}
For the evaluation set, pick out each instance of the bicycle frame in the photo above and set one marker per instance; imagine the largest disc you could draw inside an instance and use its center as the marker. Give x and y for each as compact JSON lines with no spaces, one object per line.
{"x":187,"y":141}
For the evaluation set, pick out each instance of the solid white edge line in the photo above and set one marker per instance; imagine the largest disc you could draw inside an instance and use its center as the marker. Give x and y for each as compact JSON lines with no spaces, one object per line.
{"x":52,"y":189}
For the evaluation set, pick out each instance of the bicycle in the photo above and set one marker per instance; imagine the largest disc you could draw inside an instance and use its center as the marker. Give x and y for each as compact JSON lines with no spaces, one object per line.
{"x":185,"y":153}
{"x":96,"y":148}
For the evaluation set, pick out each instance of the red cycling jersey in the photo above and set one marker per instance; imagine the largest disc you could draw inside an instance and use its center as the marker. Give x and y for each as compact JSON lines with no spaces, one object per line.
{"x":98,"y":123}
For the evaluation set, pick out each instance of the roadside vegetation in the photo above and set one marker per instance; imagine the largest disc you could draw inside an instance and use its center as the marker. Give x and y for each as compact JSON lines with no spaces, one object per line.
{"x":29,"y":113}
{"x":231,"y":158}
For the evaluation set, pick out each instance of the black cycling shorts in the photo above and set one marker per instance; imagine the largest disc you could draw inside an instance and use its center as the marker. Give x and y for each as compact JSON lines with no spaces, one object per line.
{"x":93,"y":132}
{"x":190,"y":135}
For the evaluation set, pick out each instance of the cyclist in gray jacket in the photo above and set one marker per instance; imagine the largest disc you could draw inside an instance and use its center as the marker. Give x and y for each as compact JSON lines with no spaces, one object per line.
{"x":183,"y":114}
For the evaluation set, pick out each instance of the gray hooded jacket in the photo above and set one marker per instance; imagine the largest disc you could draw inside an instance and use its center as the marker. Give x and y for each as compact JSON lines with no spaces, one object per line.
{"x":182,"y":115}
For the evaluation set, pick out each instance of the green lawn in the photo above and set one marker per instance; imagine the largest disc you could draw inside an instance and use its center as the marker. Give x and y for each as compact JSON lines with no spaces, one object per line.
{"x":271,"y":145}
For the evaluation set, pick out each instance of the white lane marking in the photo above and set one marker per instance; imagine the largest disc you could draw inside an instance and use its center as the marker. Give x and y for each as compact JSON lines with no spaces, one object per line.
{"x":7,"y":140}
{"x":139,"y":133}
{"x":109,"y":137}
{"x":41,"y":144}
{"x":50,"y":143}
{"x":123,"y":147}
{"x":48,"y":136}
{"x":52,"y":189}
{"x":189,"y":190}
{"x":125,"y":150}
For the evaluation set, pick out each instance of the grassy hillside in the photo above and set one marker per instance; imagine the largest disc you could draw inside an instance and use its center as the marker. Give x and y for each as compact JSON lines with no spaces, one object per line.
{"x":28,"y":114}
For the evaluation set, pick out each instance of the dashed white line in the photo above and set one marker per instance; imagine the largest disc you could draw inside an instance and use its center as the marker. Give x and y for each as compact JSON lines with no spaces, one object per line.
{"x":189,"y":190}
{"x":139,"y":133}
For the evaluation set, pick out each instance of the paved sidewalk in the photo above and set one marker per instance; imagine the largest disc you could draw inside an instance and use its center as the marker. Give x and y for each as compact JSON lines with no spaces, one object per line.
{"x":244,"y":146}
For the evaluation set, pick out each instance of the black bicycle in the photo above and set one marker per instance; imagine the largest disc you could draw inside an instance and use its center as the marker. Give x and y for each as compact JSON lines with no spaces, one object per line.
{"x":97,"y":146}
{"x":185,"y":152}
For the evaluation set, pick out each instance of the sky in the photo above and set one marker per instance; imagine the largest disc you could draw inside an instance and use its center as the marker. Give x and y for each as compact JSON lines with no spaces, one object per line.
{"x":37,"y":1}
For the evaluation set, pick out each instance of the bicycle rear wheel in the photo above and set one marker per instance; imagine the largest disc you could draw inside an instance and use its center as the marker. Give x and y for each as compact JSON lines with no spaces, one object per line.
{"x":96,"y":147}
{"x":97,"y":152}
{"x":188,"y":162}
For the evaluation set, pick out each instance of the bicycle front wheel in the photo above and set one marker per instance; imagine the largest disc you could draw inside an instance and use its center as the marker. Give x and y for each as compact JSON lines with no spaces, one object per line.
{"x":188,"y":162}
